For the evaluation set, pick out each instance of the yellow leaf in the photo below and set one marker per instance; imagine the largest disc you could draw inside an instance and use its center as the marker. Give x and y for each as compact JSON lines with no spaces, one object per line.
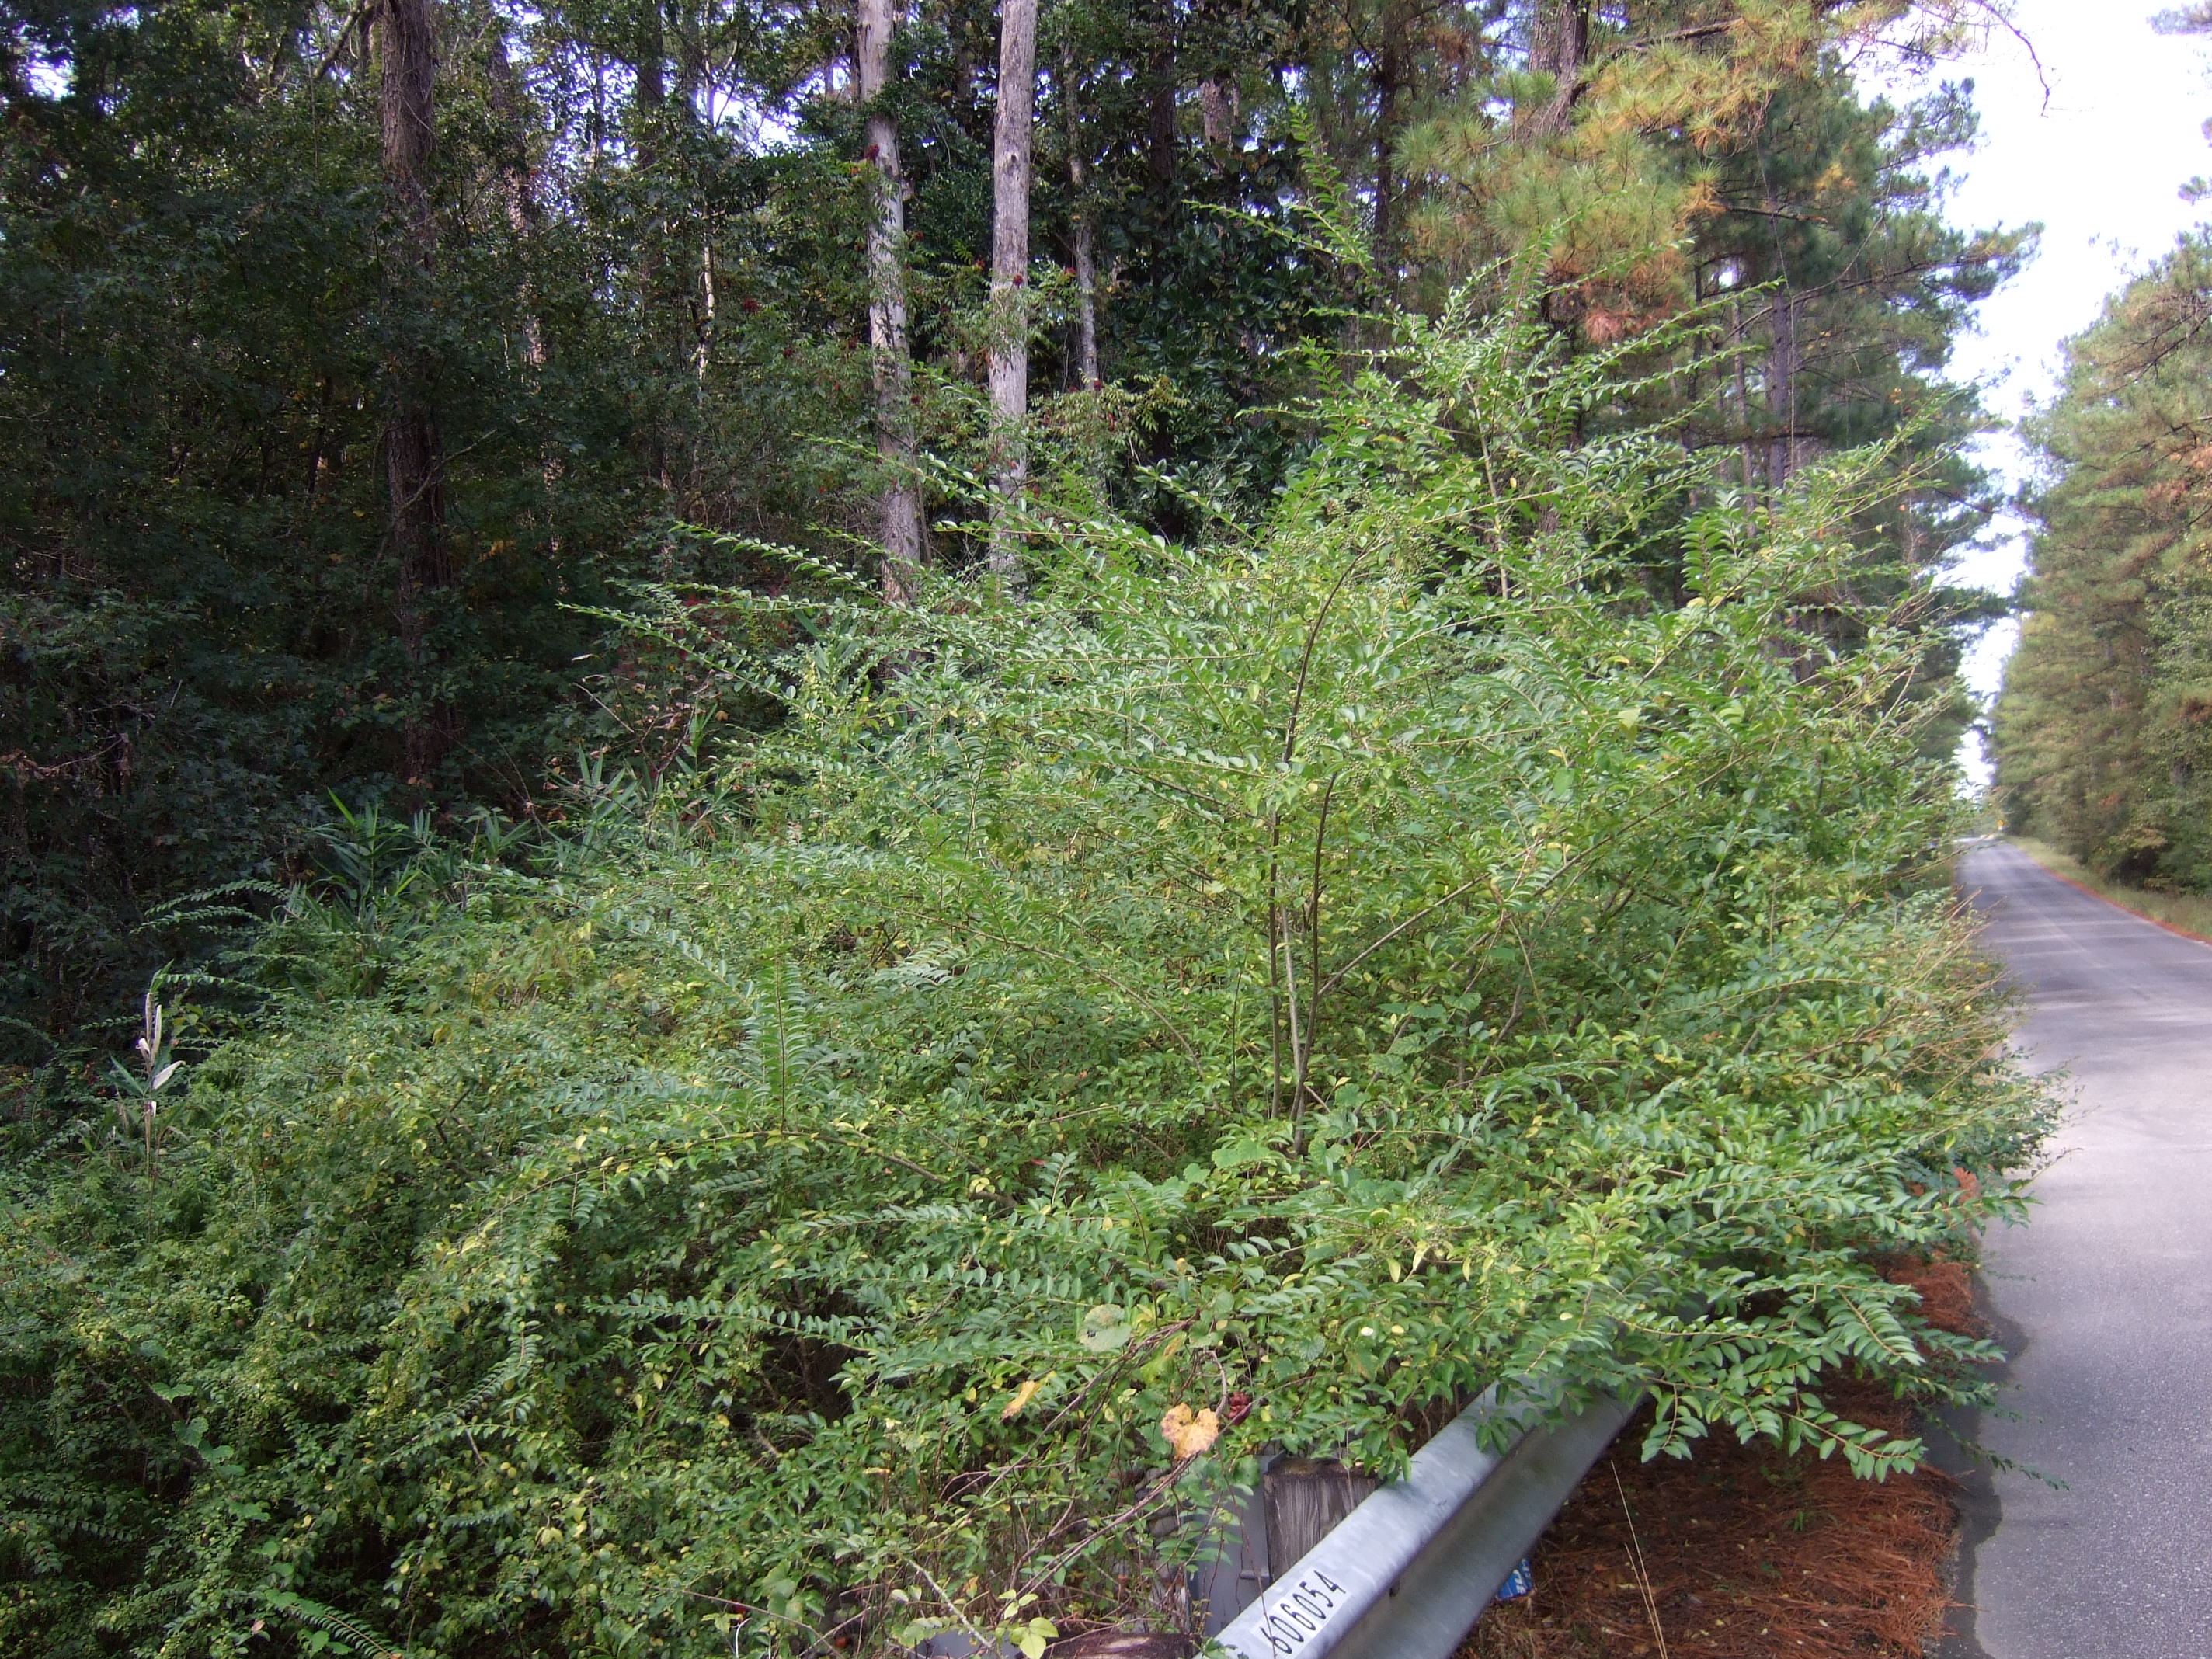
{"x":1022,"y":1395}
{"x":1190,"y":1432}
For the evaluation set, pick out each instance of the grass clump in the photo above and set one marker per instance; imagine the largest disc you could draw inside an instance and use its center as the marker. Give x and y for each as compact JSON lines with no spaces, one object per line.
{"x":1254,"y":992}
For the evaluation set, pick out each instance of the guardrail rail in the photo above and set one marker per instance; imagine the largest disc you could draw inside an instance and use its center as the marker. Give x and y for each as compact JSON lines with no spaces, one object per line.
{"x":1407,"y":1574}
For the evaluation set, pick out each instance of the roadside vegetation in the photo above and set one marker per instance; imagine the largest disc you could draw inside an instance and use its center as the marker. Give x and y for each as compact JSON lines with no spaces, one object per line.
{"x":2101,"y":733}
{"x":737,"y":918}
{"x":1253,"y":993}
{"x":2102,"y":729}
{"x":2190,"y":912}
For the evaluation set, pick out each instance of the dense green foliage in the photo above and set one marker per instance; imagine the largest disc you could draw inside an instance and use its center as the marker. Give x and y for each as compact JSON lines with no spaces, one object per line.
{"x":2104,"y":726}
{"x":687,"y":1092}
{"x":1271,"y":985}
{"x":641,"y":302}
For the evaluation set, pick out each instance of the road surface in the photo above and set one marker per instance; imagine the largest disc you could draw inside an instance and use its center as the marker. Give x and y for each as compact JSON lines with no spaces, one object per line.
{"x":2104,"y":1297}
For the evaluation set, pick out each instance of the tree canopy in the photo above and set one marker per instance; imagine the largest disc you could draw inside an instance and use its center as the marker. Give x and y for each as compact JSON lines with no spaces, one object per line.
{"x":314,"y":444}
{"x":2102,"y":728}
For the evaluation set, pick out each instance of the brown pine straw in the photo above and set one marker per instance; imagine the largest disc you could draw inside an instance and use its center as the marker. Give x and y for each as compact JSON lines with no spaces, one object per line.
{"x":1746,"y":1553}
{"x":1636,"y":1560}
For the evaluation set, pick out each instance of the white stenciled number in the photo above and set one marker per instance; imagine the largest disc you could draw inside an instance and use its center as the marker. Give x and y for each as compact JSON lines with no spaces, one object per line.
{"x":1303,"y":1613}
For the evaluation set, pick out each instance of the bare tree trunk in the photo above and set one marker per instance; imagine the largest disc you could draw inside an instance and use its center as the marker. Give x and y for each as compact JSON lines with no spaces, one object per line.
{"x":900,"y":504}
{"x":1782,"y":389}
{"x":1086,"y":306}
{"x":517,"y":178}
{"x":648,"y":130}
{"x":705,"y":353}
{"x":1086,"y":257}
{"x":1559,"y":46}
{"x":1010,"y":264}
{"x":414,"y":455}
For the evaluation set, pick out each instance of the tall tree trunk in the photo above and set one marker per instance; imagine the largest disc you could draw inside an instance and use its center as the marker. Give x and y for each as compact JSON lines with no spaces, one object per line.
{"x":1010,"y":264}
{"x":1559,"y":46}
{"x":1782,"y":366}
{"x":517,"y":177}
{"x":525,"y":215}
{"x":1160,"y":108}
{"x":652,"y":66}
{"x":656,"y":312}
{"x":414,"y":456}
{"x":1389,"y":75}
{"x":1086,"y":256}
{"x":1216,"y":113}
{"x":899,"y":507}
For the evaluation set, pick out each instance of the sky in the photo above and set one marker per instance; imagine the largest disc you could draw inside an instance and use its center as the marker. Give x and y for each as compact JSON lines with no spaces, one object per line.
{"x":2100,"y":164}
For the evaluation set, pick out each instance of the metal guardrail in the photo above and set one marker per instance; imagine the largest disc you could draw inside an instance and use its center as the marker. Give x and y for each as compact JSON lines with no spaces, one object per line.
{"x":1407,"y":1574}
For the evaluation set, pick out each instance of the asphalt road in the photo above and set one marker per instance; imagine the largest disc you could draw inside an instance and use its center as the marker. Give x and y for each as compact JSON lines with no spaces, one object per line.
{"x":2104,"y":1295}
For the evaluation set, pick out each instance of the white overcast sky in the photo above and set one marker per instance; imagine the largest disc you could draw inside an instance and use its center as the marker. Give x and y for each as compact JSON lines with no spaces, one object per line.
{"x":2101,"y":165}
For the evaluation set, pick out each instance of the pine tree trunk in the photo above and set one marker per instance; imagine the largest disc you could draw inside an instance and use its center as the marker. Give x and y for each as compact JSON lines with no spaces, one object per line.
{"x":1559,"y":46}
{"x":1085,"y":253}
{"x":1389,"y":75}
{"x":1010,"y":264}
{"x":899,"y":506}
{"x":1782,"y":391}
{"x":414,"y":457}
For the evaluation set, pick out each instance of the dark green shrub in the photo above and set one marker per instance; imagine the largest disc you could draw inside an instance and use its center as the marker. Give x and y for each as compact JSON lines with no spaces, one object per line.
{"x":1372,"y":954}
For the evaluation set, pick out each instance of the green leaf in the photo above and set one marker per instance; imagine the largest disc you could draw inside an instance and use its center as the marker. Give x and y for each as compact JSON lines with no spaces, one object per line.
{"x":1238,"y":1154}
{"x":1104,"y":1329}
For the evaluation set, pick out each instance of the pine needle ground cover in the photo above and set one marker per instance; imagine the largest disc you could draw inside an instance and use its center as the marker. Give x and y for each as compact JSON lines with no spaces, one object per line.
{"x":1475,"y":924}
{"x":1748,"y":1551}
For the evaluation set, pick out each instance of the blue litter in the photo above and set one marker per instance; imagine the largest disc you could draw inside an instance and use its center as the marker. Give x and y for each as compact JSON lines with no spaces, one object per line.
{"x":1521,"y":1582}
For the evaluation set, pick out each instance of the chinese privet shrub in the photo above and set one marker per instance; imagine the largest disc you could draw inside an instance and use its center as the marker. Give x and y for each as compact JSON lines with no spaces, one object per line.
{"x":1249,"y":994}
